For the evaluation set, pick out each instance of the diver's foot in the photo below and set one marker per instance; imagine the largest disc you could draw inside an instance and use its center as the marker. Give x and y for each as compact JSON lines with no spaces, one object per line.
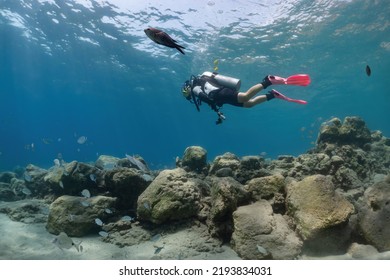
{"x":276,"y":80}
{"x":266,"y":82}
{"x":277,"y":94}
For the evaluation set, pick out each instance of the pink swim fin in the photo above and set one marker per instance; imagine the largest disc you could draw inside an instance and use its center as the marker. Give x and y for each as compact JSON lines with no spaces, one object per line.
{"x":296,"y":80}
{"x":283,"y":97}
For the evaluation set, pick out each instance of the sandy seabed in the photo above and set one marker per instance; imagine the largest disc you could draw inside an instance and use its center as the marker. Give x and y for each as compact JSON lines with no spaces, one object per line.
{"x":21,"y":241}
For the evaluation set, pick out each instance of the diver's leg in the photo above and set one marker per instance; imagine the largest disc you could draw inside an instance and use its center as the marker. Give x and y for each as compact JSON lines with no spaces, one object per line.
{"x":258,"y":99}
{"x":243,"y":97}
{"x":255,"y":101}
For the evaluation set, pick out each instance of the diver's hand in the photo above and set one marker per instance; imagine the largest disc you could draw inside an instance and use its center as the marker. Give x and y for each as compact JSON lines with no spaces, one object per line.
{"x":221,"y":116}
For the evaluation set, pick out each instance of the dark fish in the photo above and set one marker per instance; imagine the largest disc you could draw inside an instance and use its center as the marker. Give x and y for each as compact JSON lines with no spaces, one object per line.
{"x":368,"y":70}
{"x":162,"y":38}
{"x":158,"y":249}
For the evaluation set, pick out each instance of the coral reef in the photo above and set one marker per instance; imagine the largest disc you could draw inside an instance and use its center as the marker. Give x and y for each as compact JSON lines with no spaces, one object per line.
{"x":332,"y":200}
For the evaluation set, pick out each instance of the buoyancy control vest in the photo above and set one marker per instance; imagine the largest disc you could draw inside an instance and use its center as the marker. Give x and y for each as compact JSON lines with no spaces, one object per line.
{"x":206,"y":85}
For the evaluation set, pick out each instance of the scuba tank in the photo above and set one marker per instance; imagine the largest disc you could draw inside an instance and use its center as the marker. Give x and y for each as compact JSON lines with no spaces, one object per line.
{"x":225,"y":81}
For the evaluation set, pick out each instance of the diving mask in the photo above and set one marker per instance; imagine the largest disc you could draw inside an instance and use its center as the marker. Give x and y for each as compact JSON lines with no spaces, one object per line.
{"x":186,"y":90}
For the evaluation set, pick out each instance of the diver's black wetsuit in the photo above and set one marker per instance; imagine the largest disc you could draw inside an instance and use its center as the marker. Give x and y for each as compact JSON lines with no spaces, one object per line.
{"x":208,"y":90}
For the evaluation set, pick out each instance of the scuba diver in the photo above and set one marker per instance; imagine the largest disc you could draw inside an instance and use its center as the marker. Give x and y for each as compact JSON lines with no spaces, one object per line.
{"x":216,"y":90}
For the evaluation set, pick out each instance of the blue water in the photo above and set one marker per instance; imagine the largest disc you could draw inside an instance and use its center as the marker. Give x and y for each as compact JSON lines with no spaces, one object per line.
{"x":75,"y":68}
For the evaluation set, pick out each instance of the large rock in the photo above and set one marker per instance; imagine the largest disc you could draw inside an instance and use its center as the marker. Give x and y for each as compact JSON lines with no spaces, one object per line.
{"x":195,"y":158}
{"x":76,"y":215}
{"x":226,"y":195}
{"x":173,"y":195}
{"x":352,"y":131}
{"x":347,"y":179}
{"x":374,"y":216}
{"x":260,"y":234}
{"x":5,"y":177}
{"x":271,"y":188}
{"x":315,"y":206}
{"x":251,"y":167}
{"x":126,"y":184}
{"x":6,"y":193}
{"x":265,"y":187}
{"x":34,"y":180}
{"x":227,"y":160}
{"x":70,"y":179}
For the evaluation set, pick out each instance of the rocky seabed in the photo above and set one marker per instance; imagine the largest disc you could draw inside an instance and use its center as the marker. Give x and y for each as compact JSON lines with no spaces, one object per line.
{"x":331,"y":202}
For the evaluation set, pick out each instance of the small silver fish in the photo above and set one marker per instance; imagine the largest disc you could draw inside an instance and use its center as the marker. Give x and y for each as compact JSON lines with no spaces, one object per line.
{"x":82,"y":139}
{"x":92,"y":177}
{"x":57,"y":162}
{"x":27,"y":177}
{"x":127,"y":219}
{"x":99,"y":222}
{"x":262,"y":250}
{"x":146,"y":205}
{"x":103,"y":233}
{"x":86,"y":193}
{"x":26,"y":191}
{"x":137,"y":163}
{"x":147,"y":177}
{"x":108,"y":211}
{"x":155,"y":237}
{"x":63,"y":241}
{"x":109,"y":166}
{"x":85,"y":203}
{"x":61,"y":184}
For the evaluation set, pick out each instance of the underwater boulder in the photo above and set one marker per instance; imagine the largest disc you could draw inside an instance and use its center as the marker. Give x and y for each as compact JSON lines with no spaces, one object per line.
{"x":353,"y":131}
{"x":347,"y":179}
{"x":172,"y":196}
{"x":265,"y":187}
{"x":226,"y":195}
{"x":374,"y":215}
{"x":315,"y":207}
{"x":355,"y":158}
{"x":250,"y":167}
{"x":380,"y":153}
{"x":261,"y":234}
{"x":126,"y":184}
{"x":271,"y":188}
{"x":19,"y":188}
{"x":227,"y":160}
{"x":5,"y":177}
{"x":70,"y":178}
{"x":252,"y":162}
{"x":76,"y":215}
{"x":318,"y":163}
{"x":34,"y":180}
{"x":224,"y":172}
{"x":194,"y":158}
{"x":54,"y":176}
{"x":6,"y":193}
